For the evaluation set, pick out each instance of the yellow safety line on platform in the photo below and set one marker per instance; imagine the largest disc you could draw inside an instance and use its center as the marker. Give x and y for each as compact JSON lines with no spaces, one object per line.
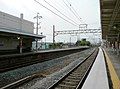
{"x":113,"y":74}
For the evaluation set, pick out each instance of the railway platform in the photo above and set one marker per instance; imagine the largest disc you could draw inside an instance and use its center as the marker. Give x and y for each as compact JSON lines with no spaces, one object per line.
{"x":13,"y":61}
{"x":98,"y":76}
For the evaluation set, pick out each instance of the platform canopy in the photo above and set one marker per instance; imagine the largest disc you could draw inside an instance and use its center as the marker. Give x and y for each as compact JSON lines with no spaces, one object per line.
{"x":9,"y":32}
{"x":110,"y":18}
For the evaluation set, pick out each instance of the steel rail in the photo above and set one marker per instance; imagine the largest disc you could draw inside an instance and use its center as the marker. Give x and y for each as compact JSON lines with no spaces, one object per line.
{"x":28,"y":78}
{"x":79,"y":85}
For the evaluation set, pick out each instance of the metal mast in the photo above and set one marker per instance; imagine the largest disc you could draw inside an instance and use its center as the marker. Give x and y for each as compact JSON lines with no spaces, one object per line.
{"x":37,"y":24}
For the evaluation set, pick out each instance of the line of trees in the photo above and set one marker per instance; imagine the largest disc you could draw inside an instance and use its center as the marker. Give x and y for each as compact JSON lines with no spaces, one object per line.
{"x":56,"y":45}
{"x":83,"y":42}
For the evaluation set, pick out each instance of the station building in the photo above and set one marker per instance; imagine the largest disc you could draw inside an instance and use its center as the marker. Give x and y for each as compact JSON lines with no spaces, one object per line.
{"x":16,"y":34}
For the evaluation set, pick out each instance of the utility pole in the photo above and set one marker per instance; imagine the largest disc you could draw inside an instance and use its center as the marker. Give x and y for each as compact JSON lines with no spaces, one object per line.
{"x":79,"y":27}
{"x":37,"y":17}
{"x":21,"y":39}
{"x":70,"y":40}
{"x":45,"y":43}
{"x":53,"y":36}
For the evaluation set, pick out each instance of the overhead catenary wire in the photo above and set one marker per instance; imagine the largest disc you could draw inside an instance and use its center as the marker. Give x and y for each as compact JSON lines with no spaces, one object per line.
{"x":71,"y":10}
{"x":74,"y":11}
{"x":59,"y":11}
{"x":55,"y":13}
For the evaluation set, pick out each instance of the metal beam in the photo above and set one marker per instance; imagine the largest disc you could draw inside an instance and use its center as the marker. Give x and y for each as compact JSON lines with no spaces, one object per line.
{"x":78,"y":31}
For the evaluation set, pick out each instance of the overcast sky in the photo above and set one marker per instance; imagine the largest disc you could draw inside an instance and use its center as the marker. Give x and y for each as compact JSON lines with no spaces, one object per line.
{"x":88,"y":11}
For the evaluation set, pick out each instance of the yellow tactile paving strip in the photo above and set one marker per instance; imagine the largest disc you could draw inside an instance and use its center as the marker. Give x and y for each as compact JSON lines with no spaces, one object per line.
{"x":114,"y":78}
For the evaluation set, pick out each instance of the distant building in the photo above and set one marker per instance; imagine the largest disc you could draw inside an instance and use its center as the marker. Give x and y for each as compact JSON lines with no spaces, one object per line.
{"x":16,"y":34}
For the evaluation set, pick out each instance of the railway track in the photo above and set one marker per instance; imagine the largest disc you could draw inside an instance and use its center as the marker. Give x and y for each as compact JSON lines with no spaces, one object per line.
{"x":82,"y":70}
{"x":76,"y":77}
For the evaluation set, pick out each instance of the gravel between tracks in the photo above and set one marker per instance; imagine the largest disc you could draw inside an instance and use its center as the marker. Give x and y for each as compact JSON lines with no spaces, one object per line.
{"x":45,"y":83}
{"x":13,"y":75}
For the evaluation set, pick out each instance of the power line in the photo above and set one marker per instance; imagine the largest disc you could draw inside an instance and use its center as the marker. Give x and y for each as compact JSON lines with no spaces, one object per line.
{"x":59,"y":11}
{"x":71,"y":10}
{"x":74,"y":10}
{"x":55,"y":13}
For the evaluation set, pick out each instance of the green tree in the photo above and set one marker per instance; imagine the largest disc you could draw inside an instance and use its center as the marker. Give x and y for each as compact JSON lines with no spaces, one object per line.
{"x":83,"y":42}
{"x":88,"y":43}
{"x":56,"y":45}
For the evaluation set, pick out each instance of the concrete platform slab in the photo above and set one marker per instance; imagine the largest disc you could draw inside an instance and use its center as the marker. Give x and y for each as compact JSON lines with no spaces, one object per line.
{"x":97,"y":78}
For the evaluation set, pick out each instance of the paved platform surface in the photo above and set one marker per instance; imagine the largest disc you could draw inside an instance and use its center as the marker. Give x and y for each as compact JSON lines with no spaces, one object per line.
{"x":97,"y":78}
